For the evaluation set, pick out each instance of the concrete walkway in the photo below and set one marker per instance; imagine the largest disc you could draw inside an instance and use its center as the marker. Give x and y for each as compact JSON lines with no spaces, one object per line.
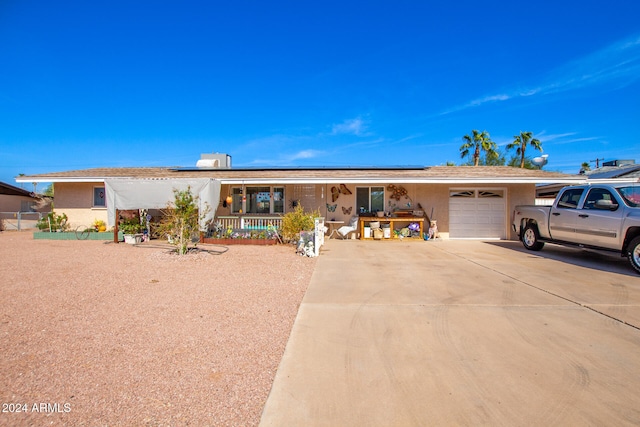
{"x":461,"y":333}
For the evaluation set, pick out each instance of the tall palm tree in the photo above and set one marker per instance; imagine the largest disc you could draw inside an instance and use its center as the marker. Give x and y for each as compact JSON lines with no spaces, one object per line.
{"x":479,"y":141}
{"x":520,"y":143}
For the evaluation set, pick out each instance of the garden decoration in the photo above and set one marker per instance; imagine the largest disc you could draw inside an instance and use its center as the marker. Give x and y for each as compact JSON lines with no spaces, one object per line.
{"x":399,"y":192}
{"x":336,"y":191}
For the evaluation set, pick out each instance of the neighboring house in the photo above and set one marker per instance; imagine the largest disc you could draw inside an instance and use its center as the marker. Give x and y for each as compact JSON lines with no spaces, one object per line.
{"x":17,"y":202}
{"x":467,"y":202}
{"x":614,"y":170}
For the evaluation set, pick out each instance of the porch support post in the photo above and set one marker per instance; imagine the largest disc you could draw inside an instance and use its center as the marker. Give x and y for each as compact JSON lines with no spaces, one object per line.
{"x":115,"y":229}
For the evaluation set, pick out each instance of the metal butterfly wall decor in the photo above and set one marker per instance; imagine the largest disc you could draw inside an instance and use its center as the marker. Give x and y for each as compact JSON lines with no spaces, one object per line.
{"x":332,"y":208}
{"x":335,"y":192}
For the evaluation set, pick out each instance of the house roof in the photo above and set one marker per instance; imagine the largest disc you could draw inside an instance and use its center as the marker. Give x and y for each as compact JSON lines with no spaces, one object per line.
{"x":10,"y":190}
{"x":604,"y":174}
{"x":328,"y":175}
{"x":607,"y":172}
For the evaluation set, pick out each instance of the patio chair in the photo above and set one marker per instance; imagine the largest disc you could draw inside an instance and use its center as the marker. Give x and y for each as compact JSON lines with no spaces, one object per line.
{"x":346,"y":230}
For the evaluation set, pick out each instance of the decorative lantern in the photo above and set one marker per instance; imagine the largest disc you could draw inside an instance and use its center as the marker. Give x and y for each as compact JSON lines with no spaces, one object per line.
{"x":229,"y":200}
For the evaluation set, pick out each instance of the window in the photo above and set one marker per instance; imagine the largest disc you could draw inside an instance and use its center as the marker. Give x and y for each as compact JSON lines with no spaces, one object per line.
{"x":480,"y":194}
{"x":631,"y":196}
{"x":570,"y":198}
{"x":99,"y":197}
{"x":27,"y":206}
{"x":278,"y":199}
{"x":370,"y":199}
{"x":463,"y":193}
{"x":258,"y":200}
{"x":236,"y":204}
{"x":597,"y":194}
{"x":486,"y":194}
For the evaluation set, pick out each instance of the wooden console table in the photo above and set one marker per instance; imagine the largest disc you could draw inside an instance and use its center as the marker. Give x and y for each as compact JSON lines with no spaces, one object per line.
{"x":391,"y":220}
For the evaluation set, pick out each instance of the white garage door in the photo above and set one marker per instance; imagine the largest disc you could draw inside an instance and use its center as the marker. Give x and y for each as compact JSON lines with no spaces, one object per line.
{"x":477,"y":214}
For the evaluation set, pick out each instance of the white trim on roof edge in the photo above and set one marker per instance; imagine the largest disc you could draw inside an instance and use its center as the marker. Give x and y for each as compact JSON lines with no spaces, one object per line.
{"x":403,"y":181}
{"x":255,"y":181}
{"x":92,"y":179}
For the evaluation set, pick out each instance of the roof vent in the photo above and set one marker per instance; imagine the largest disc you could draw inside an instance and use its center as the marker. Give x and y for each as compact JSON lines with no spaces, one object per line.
{"x":619,"y":163}
{"x":214,"y":161}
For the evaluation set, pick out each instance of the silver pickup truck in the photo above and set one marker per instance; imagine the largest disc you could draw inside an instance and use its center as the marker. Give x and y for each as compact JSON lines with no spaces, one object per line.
{"x":596,"y":216}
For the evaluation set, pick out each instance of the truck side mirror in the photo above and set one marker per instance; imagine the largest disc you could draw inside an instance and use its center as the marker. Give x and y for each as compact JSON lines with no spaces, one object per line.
{"x":606,"y":205}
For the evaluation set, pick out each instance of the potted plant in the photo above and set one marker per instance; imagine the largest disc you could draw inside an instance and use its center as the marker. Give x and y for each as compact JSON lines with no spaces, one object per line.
{"x":99,"y":225}
{"x":132,"y":230}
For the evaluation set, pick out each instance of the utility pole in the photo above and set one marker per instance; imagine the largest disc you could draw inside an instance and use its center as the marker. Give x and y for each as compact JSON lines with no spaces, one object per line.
{"x":597,"y":161}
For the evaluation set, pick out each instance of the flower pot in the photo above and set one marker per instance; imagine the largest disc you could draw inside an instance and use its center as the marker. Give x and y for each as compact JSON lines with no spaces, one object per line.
{"x":133,"y":239}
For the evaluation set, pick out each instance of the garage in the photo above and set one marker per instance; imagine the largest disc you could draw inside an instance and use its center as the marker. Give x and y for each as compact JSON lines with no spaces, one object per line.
{"x":477,"y":214}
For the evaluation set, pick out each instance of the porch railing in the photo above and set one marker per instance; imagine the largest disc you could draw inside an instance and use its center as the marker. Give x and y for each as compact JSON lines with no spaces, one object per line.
{"x":250,"y":222}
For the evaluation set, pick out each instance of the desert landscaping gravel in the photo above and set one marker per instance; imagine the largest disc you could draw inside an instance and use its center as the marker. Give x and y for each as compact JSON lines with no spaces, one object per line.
{"x":103,"y":334}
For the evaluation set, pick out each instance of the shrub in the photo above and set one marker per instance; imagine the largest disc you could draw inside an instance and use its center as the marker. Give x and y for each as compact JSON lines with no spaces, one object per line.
{"x":130,"y":225}
{"x":296,"y":221}
{"x":53,"y":222}
{"x":181,"y":222}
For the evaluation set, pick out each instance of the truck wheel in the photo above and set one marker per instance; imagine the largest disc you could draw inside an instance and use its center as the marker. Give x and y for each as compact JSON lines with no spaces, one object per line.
{"x":531,"y":238}
{"x":634,"y":253}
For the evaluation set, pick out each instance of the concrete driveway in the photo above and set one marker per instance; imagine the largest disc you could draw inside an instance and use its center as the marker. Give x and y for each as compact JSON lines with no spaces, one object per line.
{"x":462,"y":333}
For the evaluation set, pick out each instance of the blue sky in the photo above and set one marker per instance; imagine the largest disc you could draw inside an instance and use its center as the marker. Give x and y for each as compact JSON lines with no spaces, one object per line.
{"x":108,"y":84}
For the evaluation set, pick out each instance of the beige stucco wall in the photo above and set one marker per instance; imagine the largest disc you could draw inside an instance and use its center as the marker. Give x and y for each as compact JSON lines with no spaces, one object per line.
{"x":433,"y":198}
{"x":11,"y":205}
{"x":14,"y":203}
{"x":75,"y":199}
{"x":437,"y":197}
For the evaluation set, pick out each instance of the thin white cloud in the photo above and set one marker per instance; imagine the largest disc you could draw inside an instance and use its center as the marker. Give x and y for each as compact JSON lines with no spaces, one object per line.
{"x":618,"y":64}
{"x":553,"y":136}
{"x":279,"y":143}
{"x":564,"y":138}
{"x":574,"y":140}
{"x":289,"y":159}
{"x":374,"y":143}
{"x":355,"y":126}
{"x":491,"y":98}
{"x":304,"y":154}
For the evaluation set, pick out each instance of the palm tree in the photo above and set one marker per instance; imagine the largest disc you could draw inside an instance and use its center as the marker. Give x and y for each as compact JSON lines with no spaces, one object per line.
{"x":521,"y":141}
{"x":479,"y":142}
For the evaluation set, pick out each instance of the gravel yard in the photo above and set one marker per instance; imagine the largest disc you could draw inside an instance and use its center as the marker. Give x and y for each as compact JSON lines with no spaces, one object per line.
{"x":96,"y":333}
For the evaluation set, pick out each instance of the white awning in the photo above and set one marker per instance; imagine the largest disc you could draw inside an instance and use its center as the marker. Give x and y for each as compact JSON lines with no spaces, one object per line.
{"x":157,"y":193}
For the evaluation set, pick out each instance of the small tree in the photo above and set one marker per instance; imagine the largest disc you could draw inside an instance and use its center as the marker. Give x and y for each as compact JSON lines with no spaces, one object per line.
{"x":296,"y":221}
{"x":181,"y":222}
